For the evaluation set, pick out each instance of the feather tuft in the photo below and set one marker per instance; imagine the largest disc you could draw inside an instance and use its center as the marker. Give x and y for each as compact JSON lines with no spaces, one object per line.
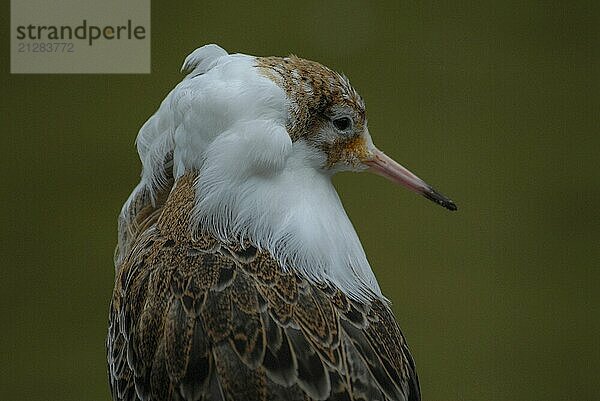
{"x":229,"y":124}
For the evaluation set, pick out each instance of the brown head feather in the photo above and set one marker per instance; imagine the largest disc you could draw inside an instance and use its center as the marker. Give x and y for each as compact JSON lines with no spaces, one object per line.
{"x":314,"y":90}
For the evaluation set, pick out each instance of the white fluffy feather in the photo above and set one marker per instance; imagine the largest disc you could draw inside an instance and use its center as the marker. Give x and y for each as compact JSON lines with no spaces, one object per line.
{"x":227,"y":121}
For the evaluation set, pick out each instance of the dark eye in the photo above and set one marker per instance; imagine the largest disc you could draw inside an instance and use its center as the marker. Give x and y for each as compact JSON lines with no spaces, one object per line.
{"x":342,"y":123}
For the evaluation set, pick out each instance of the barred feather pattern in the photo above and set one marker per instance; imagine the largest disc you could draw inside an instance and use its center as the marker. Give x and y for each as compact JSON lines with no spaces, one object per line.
{"x":193,"y":319}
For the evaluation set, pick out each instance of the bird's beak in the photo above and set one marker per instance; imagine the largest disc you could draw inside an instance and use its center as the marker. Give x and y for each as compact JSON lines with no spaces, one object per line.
{"x":383,"y":165}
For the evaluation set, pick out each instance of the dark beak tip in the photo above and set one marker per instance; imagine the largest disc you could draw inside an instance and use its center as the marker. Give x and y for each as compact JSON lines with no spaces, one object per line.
{"x":451,"y":206}
{"x":440,"y":199}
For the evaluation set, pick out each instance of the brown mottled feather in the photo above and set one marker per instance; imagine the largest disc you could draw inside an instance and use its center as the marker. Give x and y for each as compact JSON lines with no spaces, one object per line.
{"x":192,"y":319}
{"x":313,"y":88}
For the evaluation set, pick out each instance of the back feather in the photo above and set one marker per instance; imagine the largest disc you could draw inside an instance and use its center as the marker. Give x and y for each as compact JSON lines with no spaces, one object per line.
{"x":195,"y":319}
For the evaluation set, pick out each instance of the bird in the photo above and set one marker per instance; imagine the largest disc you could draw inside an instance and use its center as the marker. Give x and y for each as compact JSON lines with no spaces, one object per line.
{"x":238,"y":274}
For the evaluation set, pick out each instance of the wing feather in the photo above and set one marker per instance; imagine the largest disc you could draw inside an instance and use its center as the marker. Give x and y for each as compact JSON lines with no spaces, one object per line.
{"x":194,"y":320}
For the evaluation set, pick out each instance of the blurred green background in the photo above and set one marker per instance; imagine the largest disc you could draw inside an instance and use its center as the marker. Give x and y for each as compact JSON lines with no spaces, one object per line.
{"x":494,"y":103}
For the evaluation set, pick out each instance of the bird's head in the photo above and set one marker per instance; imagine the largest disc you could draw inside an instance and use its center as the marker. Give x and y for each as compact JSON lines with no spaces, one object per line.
{"x":328,"y":115}
{"x":237,"y":117}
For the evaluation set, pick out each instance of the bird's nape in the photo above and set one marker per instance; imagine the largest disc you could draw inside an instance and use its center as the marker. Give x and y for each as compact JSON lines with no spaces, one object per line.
{"x":383,"y":165}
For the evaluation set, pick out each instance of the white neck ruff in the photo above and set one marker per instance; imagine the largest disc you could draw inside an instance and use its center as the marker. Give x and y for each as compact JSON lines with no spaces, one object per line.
{"x":296,"y":215}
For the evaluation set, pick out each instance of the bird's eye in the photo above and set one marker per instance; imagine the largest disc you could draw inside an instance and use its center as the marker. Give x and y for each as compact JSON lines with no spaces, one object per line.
{"x":342,"y":123}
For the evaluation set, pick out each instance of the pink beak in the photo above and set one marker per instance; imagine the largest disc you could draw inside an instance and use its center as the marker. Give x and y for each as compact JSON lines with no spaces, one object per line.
{"x":385,"y":166}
